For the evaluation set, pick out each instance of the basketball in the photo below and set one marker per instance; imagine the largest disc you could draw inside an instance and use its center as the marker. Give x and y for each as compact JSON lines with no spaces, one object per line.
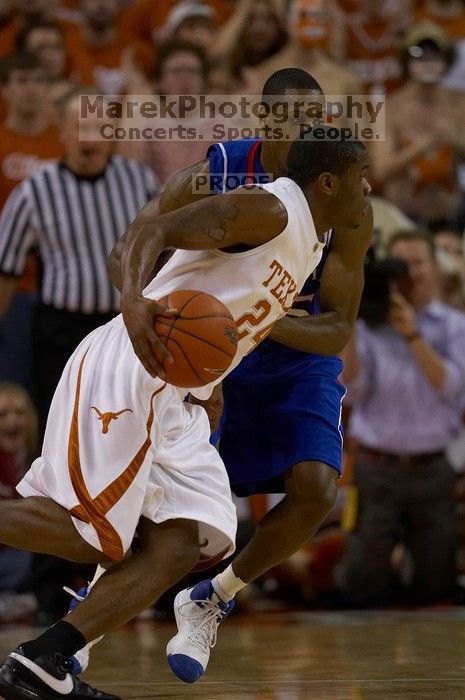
{"x":201,"y":337}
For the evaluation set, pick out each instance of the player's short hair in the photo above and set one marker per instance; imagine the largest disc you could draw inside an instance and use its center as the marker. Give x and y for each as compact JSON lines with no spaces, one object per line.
{"x":325,"y":149}
{"x":17,"y":60}
{"x":290,"y":79}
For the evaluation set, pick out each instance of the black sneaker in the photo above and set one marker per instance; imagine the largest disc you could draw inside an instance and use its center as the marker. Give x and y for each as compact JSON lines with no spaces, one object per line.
{"x":46,"y":678}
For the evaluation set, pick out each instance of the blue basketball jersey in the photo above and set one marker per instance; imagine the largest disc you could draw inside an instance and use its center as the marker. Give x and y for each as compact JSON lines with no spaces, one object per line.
{"x":282,"y":406}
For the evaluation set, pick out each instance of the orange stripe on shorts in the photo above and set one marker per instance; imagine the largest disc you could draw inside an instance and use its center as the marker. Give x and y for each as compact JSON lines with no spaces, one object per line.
{"x":93,"y":510}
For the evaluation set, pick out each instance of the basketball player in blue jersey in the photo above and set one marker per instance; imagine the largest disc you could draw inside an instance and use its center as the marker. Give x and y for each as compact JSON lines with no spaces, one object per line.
{"x":281,"y":429}
{"x":281,"y":425}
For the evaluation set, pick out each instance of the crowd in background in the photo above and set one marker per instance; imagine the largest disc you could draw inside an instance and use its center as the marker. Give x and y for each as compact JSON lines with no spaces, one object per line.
{"x":411,"y":546}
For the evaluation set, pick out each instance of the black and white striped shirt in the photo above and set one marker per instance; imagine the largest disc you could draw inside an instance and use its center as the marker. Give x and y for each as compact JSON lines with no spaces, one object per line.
{"x":74,"y":222}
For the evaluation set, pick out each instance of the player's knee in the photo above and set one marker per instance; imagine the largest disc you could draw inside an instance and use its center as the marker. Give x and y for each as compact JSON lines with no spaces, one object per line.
{"x":313,"y":486}
{"x":188,"y":554}
{"x":179,"y":539}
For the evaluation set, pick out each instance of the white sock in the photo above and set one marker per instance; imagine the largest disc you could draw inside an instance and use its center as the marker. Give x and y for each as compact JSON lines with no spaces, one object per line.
{"x":227,"y":584}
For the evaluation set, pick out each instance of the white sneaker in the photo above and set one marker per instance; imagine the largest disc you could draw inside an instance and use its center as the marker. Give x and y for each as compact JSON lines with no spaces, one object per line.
{"x":197,"y":618}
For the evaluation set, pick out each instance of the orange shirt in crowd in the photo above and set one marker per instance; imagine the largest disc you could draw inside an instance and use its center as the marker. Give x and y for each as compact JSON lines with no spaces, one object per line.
{"x":436,"y":167}
{"x":102,"y":65}
{"x":20,"y":156}
{"x":372,"y":51}
{"x":455,"y":27}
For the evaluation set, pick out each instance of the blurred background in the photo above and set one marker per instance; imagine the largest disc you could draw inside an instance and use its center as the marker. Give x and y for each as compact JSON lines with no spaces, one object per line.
{"x":410,"y":549}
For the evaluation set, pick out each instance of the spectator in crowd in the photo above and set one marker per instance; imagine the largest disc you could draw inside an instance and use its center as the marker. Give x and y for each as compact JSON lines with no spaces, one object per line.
{"x":18,"y":447}
{"x":74,"y":211}
{"x":415,"y":164}
{"x":307,"y":49}
{"x":194,"y":22}
{"x":405,"y":379}
{"x":27,"y":138}
{"x":255,"y":32}
{"x":46,"y":40}
{"x":182,"y":69}
{"x":370,"y":43}
{"x":27,"y":13}
{"x":108,"y":53}
{"x":27,"y":141}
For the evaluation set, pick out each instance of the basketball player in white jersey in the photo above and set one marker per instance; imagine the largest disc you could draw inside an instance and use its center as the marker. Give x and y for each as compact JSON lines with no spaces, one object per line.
{"x":153,"y":471}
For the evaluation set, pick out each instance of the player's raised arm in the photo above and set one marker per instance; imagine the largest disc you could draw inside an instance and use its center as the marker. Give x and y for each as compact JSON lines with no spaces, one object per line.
{"x":179,"y":191}
{"x":248,"y":216}
{"x":340,"y":291}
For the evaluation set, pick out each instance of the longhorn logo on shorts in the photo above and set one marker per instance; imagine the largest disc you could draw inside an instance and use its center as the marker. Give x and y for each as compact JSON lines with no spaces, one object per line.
{"x":107,"y":417}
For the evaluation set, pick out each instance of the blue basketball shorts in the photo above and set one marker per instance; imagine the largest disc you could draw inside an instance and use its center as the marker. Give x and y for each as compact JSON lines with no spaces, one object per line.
{"x":277,"y":417}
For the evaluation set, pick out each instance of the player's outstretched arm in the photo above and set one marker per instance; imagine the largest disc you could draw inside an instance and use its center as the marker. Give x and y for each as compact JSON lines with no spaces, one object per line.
{"x":340,"y":291}
{"x":179,"y":191}
{"x":249,"y":216}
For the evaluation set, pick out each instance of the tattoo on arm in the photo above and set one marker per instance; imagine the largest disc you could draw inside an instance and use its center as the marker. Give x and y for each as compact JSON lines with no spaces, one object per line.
{"x":212,"y":226}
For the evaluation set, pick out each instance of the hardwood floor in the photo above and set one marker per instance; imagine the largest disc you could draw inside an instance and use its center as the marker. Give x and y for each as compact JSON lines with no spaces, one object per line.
{"x":301,"y":656}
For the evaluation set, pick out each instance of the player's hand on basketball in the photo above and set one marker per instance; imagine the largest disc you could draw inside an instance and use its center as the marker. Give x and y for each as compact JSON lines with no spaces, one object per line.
{"x":402,"y":315}
{"x":139,"y":317}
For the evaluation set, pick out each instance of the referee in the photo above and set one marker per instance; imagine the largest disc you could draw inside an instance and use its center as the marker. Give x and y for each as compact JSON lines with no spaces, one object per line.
{"x":72,"y":212}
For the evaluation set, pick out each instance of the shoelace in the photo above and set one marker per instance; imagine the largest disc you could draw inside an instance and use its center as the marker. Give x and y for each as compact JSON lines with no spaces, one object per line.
{"x":73,"y":594}
{"x":209,"y":616}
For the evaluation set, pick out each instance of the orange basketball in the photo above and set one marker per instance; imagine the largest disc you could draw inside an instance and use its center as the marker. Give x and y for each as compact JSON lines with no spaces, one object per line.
{"x":201,"y":337}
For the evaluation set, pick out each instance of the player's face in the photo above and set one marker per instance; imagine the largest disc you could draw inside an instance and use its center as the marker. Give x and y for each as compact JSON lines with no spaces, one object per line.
{"x":354,"y":194}
{"x":289,"y":120}
{"x":294,"y":110}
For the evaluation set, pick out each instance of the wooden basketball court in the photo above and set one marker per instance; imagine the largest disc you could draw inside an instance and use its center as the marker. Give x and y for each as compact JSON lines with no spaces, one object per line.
{"x":301,"y":656}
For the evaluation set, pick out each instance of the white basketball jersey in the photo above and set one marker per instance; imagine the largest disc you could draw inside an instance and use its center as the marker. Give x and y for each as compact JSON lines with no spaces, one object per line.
{"x":259,"y":285}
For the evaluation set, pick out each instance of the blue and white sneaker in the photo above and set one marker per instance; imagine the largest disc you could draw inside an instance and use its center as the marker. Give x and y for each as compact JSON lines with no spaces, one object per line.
{"x":78,"y":663}
{"x":197,"y":618}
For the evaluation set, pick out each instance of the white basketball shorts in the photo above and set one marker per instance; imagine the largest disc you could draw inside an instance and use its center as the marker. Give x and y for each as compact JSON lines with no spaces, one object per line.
{"x":120,"y":445}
